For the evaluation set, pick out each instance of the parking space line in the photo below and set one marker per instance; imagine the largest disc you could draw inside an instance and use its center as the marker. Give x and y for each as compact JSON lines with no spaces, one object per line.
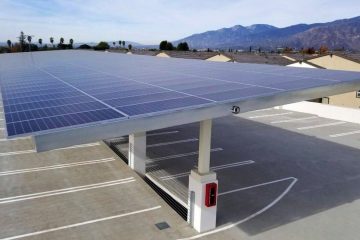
{"x":79,"y":146}
{"x":161,"y":133}
{"x":34,"y":151}
{"x":181,"y":155}
{"x":344,"y":134}
{"x":65,"y":190}
{"x":294,"y":120}
{"x":321,"y":125}
{"x":255,"y":186}
{"x":215,"y":168}
{"x":81,"y":224}
{"x":271,"y":115}
{"x":17,"y":152}
{"x":173,"y":142}
{"x":58,"y":166}
{"x":275,"y":201}
{"x":13,"y":139}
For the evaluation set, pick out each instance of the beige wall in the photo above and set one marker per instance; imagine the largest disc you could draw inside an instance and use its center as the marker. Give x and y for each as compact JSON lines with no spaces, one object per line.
{"x":219,"y":58}
{"x":339,"y":63}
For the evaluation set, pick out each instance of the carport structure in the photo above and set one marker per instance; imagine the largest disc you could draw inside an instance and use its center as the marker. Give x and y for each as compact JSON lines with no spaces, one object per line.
{"x":65,"y":98}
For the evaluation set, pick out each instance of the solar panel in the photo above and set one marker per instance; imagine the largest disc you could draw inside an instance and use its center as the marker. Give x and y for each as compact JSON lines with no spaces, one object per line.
{"x":59,"y":90}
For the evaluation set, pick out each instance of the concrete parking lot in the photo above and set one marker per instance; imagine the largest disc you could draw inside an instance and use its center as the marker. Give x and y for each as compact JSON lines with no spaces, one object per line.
{"x":80,"y":192}
{"x":282,"y":175}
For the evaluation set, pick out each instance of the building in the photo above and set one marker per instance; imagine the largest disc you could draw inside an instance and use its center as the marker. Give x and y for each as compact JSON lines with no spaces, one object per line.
{"x":337,"y":61}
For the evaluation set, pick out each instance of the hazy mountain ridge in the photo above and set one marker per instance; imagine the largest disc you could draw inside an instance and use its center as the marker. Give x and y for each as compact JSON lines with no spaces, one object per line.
{"x":337,"y":34}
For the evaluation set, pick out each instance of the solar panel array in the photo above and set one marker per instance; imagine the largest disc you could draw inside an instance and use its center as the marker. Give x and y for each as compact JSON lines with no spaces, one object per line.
{"x":54,"y":90}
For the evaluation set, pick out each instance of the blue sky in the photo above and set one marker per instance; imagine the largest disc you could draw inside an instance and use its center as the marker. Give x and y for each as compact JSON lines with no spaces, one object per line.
{"x":149,"y":21}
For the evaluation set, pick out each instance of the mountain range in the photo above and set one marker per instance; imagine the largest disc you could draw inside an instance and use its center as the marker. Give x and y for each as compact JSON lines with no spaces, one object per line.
{"x":338,"y":34}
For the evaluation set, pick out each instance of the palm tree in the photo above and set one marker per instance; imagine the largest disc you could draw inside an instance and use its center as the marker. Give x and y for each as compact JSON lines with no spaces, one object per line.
{"x":52,"y":41}
{"x":40,"y":41}
{"x":71,"y":41}
{"x":123,"y":43}
{"x":62,"y":40}
{"x":29,"y":38}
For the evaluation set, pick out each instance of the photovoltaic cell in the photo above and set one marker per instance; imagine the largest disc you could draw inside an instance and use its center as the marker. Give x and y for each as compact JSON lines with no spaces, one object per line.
{"x":60,"y":89}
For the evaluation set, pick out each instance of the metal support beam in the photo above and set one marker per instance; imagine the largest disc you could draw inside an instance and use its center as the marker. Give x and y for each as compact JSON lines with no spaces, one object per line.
{"x":137,"y":152}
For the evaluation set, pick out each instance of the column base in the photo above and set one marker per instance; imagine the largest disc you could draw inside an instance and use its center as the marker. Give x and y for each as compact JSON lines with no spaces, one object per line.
{"x":201,"y":217}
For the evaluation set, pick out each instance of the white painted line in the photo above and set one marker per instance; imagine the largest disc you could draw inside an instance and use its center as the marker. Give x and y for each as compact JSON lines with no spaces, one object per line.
{"x":67,"y":165}
{"x":294,"y":120}
{"x":255,"y":186}
{"x":80,"y":224}
{"x":173,"y":142}
{"x":34,"y":151}
{"x":17,"y":152}
{"x":265,"y":109}
{"x":181,"y":155}
{"x":161,"y":133}
{"x":215,"y":168}
{"x":275,"y":201}
{"x":13,"y":139}
{"x":271,"y":115}
{"x":65,"y":190}
{"x":321,"y":125}
{"x":344,"y":134}
{"x":79,"y":146}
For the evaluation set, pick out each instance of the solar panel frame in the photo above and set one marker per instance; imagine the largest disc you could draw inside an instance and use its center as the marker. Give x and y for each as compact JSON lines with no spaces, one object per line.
{"x":82,"y":74}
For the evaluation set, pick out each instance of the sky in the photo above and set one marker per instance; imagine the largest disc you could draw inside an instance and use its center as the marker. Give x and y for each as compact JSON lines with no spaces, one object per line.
{"x":150,"y":21}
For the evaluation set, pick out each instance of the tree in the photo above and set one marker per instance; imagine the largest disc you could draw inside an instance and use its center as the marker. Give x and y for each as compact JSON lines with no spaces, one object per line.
{"x":183,"y":46}
{"x":71,"y":43}
{"x":129,"y":46}
{"x":29,"y":38}
{"x":102,"y":46}
{"x":40,"y":41}
{"x":114,"y":44}
{"x":309,"y":50}
{"x":120,"y":42}
{"x":84,"y":46}
{"x":162,"y":45}
{"x":62,"y":40}
{"x":165,"y":45}
{"x":323,"y":49}
{"x":22,"y":39}
{"x":169,"y":46}
{"x":123,"y":43}
{"x":52,"y":41}
{"x":9,"y":43}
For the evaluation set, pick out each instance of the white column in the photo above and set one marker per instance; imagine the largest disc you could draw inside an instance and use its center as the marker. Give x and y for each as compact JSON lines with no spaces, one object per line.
{"x":201,"y":217}
{"x":204,"y":146}
{"x":137,"y":152}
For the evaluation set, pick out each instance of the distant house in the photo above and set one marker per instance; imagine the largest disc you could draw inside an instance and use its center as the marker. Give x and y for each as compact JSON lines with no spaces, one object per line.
{"x":219,"y":58}
{"x":162,"y":54}
{"x":349,"y":62}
